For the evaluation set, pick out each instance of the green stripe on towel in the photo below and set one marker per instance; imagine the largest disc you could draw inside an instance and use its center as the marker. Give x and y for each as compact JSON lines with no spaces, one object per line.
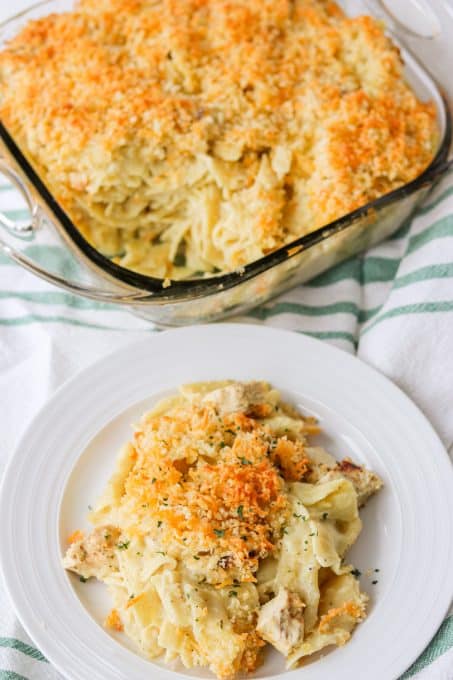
{"x":440,"y":229}
{"x":415,"y":308}
{"x":54,"y":297}
{"x":331,"y":335}
{"x":33,"y":318}
{"x":441,"y":643}
{"x":20,"y":646}
{"x":428,"y":273}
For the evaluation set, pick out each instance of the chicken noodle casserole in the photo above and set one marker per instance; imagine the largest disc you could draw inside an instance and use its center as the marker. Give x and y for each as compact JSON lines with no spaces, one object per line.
{"x":223,"y":529}
{"x":195,"y":136}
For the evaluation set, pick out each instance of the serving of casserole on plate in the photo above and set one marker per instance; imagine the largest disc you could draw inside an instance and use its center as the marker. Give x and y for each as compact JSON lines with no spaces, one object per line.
{"x":190,"y":138}
{"x":223,"y":528}
{"x":239,"y":539}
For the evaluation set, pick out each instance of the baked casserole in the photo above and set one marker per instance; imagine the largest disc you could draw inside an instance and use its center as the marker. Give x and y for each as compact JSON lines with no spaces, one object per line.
{"x":192,"y":137}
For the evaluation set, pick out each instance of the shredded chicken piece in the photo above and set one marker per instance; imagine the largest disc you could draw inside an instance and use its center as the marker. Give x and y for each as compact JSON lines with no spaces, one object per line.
{"x":237,"y":397}
{"x":365,"y":482}
{"x":281,"y":621}
{"x":95,"y":554}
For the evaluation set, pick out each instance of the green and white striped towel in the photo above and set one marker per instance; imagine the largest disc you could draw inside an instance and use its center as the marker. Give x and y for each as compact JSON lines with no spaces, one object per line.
{"x":392,"y":306}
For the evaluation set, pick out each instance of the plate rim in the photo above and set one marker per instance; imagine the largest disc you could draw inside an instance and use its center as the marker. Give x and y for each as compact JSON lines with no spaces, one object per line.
{"x":225,"y":328}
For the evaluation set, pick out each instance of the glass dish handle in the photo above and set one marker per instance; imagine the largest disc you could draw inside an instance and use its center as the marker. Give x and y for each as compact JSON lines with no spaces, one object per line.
{"x":423,"y":27}
{"x":414,"y":18}
{"x":18,"y":229}
{"x":81,"y":280}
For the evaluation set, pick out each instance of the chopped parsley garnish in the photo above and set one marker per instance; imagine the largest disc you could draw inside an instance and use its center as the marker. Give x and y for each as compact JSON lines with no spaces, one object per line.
{"x":123,"y":546}
{"x":106,"y":537}
{"x":231,"y":432}
{"x":90,"y":507}
{"x":374,"y":582}
{"x":376,"y":570}
{"x":232,"y":593}
{"x":240,"y":510}
{"x":222,"y":444}
{"x":153,"y":480}
{"x":131,"y":597}
{"x":159,"y":552}
{"x":159,"y":523}
{"x":356,"y":573}
{"x":285,"y":530}
{"x":196,"y":557}
{"x":244,"y":461}
{"x":82,"y":579}
{"x":325,"y":515}
{"x":219,"y":532}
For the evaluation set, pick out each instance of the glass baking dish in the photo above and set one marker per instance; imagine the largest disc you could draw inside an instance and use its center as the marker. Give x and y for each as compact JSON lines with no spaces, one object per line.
{"x":82,"y":270}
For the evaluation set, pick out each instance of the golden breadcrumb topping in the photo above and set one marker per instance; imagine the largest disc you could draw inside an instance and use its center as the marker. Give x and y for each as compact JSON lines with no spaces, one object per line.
{"x":186,"y":135}
{"x":232,"y":508}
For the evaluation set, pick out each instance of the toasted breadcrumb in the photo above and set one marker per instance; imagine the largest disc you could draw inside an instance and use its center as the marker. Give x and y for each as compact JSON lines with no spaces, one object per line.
{"x":77,"y":535}
{"x":331,"y":619}
{"x":113,"y":621}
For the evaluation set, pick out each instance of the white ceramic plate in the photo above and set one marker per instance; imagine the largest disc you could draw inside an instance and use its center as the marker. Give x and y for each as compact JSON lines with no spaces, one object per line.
{"x":69,"y":450}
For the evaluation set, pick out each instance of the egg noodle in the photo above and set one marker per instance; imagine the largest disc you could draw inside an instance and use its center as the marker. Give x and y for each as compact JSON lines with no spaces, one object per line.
{"x":223,"y":529}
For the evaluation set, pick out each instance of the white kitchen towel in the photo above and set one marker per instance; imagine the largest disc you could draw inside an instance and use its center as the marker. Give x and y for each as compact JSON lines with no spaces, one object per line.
{"x":393,"y":306}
